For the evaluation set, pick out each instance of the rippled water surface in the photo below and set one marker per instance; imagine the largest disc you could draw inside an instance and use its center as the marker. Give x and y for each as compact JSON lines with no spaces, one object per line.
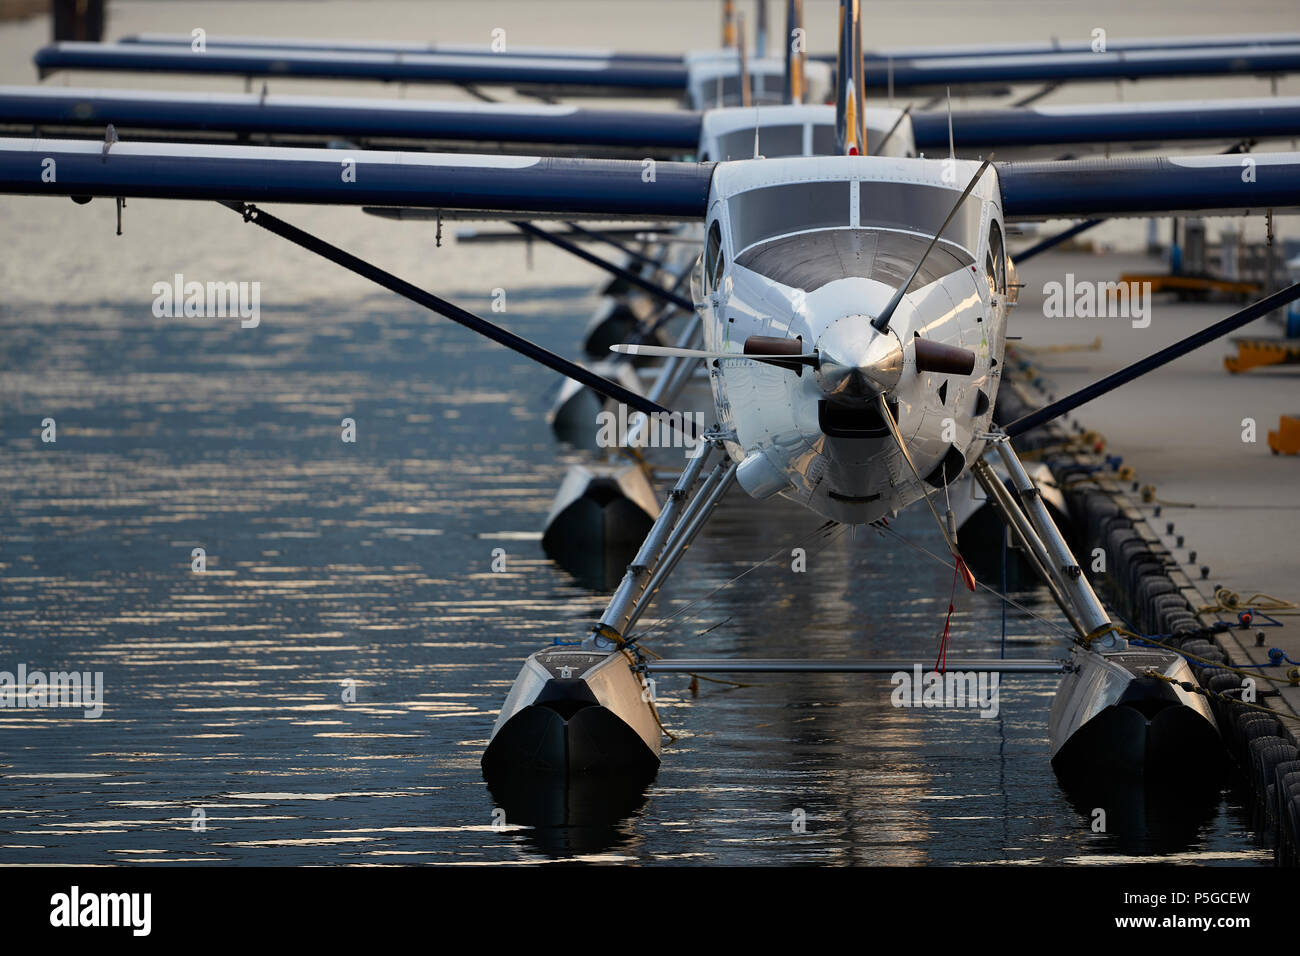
{"x":330,"y":563}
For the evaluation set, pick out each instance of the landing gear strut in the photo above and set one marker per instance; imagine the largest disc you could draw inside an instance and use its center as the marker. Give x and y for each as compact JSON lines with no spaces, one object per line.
{"x":588,"y":709}
{"x":1111,"y":719}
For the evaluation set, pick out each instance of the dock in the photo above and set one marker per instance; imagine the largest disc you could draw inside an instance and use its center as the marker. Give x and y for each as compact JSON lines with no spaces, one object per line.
{"x":1217,"y":500}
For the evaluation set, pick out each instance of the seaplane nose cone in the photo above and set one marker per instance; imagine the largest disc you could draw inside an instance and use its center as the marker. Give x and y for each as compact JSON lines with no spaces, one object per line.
{"x":857,"y":363}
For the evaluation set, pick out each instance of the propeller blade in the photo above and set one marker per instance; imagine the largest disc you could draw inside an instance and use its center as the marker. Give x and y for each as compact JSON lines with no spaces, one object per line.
{"x":881,"y":322}
{"x":1153,"y":361}
{"x":947,"y":359}
{"x":668,"y":351}
{"x":966,"y":576}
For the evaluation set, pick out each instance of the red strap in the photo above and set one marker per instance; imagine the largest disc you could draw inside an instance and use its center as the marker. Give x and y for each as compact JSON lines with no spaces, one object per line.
{"x":941,"y":663}
{"x":966,"y":576}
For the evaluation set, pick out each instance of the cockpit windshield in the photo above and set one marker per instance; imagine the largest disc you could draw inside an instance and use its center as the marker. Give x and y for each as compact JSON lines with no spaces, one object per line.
{"x":761,"y":214}
{"x":773,"y":141}
{"x":920,"y":208}
{"x":715,"y":91}
{"x":812,"y":259}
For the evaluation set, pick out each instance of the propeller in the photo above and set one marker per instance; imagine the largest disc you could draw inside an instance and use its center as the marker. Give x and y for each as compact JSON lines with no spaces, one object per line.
{"x":783,"y":353}
{"x":881,"y":322}
{"x":931,"y":357}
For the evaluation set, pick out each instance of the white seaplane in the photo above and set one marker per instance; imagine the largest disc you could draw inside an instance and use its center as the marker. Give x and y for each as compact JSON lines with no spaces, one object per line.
{"x":853,"y":311}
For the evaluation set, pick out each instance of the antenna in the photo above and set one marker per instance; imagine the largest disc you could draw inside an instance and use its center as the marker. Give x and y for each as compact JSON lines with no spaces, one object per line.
{"x":952,"y":150}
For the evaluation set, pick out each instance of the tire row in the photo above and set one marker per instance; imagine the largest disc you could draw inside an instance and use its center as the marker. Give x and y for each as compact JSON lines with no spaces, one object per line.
{"x":1137,"y":582}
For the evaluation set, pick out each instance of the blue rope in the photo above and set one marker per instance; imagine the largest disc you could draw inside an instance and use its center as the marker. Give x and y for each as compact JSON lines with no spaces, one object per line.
{"x":1004,"y":592}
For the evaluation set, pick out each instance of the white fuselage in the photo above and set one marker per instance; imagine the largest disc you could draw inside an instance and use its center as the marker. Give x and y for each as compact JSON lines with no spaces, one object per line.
{"x":714,"y":80}
{"x":812,"y":248}
{"x":727,"y":133}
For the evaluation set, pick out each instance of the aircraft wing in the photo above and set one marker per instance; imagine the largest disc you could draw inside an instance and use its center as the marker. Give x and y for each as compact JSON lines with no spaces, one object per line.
{"x":214,"y":41}
{"x":1227,"y":185}
{"x":579,"y":75}
{"x":460,"y":185}
{"x":293,"y":119}
{"x":872,"y":57}
{"x":935,"y":74}
{"x":288,"y":117}
{"x":478,"y":186}
{"x":642,"y":77}
{"x":1092,"y":126}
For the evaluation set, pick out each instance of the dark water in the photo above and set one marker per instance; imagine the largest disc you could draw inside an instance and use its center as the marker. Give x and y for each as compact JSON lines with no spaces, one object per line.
{"x":371,"y":563}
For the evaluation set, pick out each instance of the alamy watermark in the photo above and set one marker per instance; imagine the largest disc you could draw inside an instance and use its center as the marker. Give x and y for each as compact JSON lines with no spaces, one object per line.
{"x":84,"y":689}
{"x":656,"y":430}
{"x":950,"y":689}
{"x":211,"y":300}
{"x":133,"y":911}
{"x":1098,"y":300}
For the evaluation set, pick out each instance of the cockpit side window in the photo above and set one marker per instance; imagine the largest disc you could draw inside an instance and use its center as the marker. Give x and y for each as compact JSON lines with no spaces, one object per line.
{"x":713,"y":256}
{"x":823,"y":140}
{"x":998,"y":274}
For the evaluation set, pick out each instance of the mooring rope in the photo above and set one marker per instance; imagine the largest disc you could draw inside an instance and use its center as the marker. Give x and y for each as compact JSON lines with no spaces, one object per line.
{"x":1206,"y":692}
{"x":1226,"y":599}
{"x":1208,"y":662}
{"x":634,"y":650}
{"x":834,"y":532}
{"x":994,"y":591}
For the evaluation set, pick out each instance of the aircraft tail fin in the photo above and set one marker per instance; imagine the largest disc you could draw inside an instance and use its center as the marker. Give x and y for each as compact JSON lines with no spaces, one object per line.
{"x":850,"y":131}
{"x":796,"y":56}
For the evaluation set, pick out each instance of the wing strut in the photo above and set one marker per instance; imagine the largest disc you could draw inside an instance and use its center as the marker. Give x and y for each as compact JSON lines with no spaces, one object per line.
{"x":1052,"y":241}
{"x":531,"y":350}
{"x":605,"y":237}
{"x":658,"y":291}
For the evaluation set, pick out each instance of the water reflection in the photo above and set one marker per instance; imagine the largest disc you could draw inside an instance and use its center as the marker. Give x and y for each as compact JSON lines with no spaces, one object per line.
{"x":566,"y":817}
{"x":323,"y":692}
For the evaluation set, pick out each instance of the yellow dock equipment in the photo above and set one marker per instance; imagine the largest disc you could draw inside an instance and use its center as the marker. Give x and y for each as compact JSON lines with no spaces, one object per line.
{"x":1253,"y":353}
{"x":1286,"y":440}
